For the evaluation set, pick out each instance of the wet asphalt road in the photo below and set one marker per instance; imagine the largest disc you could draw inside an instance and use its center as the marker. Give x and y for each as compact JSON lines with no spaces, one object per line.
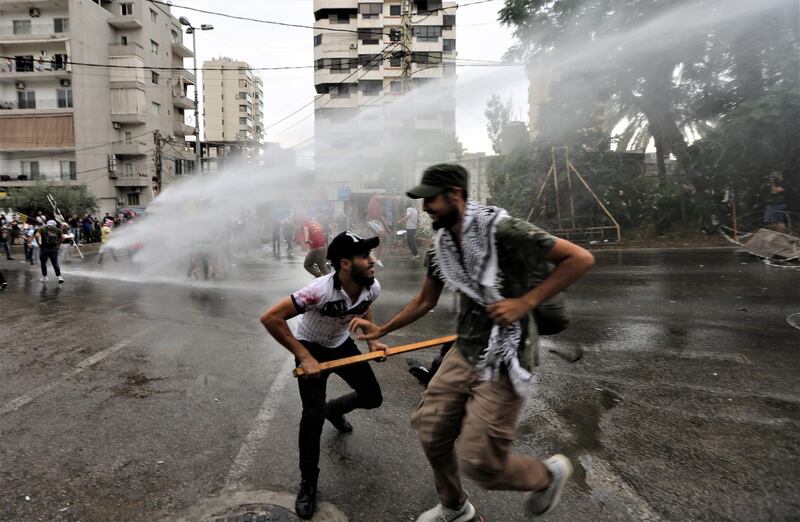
{"x":136,"y":401}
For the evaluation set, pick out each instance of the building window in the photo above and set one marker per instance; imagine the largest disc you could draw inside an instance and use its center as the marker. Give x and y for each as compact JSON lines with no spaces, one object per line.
{"x":242,"y":121}
{"x":371,"y":10}
{"x":371,"y":87}
{"x":129,"y":169}
{"x":59,"y":62}
{"x":339,"y":91}
{"x":153,"y":16}
{"x":126,"y":9}
{"x":30,"y":169}
{"x":242,"y":108}
{"x":60,"y":25}
{"x":26,"y":99}
{"x":243,"y":134}
{"x":64,"y":97}
{"x":369,"y":62}
{"x":243,"y":84}
{"x":23,"y":63}
{"x":396,"y":86}
{"x":123,"y":40}
{"x":22,"y":27}
{"x":449,"y":44}
{"x":448,"y":21}
{"x":156,"y":108}
{"x":176,"y":36}
{"x":370,"y":36}
{"x":128,"y":136}
{"x":427,"y":57}
{"x":242,"y":95}
{"x":395,"y":10}
{"x":68,"y":171}
{"x":396,"y":60}
{"x":427,"y":33}
{"x":339,"y":18}
{"x":154,"y":77}
{"x":133,"y":199}
{"x":154,"y":46}
{"x":317,"y":40}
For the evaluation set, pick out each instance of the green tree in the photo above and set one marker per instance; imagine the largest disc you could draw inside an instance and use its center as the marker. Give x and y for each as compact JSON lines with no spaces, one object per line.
{"x":70,"y":199}
{"x":497,"y":115}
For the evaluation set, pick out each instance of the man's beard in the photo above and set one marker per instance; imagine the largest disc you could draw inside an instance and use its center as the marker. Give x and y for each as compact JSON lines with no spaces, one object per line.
{"x":447,"y":220}
{"x":360,"y":278}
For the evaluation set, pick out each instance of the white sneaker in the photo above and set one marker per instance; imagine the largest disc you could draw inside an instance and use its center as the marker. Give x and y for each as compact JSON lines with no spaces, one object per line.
{"x":43,"y":279}
{"x":443,"y":514}
{"x":539,"y":503}
{"x":60,"y":279}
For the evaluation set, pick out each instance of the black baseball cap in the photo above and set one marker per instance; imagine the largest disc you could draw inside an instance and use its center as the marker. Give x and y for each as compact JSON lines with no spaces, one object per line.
{"x":438,"y":178}
{"x":347,"y":244}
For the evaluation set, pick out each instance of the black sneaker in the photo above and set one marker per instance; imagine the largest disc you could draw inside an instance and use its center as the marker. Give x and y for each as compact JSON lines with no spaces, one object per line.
{"x":338,"y":421}
{"x":306,"y":502}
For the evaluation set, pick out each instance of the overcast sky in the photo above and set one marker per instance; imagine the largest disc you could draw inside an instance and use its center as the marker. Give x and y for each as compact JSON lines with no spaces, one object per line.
{"x":479,"y":37}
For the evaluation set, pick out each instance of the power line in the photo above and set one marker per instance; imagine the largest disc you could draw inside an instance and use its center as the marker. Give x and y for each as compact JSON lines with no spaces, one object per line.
{"x":250,"y":19}
{"x":381,"y":54}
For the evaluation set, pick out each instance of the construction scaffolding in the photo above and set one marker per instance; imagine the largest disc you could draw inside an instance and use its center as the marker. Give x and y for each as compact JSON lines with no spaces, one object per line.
{"x":571,"y":226}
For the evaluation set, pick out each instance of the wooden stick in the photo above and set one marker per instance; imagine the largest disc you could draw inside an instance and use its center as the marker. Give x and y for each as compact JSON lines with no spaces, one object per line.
{"x":371,"y":356}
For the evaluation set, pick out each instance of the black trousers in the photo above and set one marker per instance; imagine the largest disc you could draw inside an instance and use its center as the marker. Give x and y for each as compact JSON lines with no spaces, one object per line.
{"x":52,"y":255}
{"x":366,"y":394}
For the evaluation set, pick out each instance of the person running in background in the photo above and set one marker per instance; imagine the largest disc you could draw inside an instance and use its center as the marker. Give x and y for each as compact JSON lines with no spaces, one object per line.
{"x":49,"y":238}
{"x":411,"y":220}
{"x":5,"y":237}
{"x":105,"y":236}
{"x":314,"y":235}
{"x":376,"y":221}
{"x":287,"y":225}
{"x":276,"y":237}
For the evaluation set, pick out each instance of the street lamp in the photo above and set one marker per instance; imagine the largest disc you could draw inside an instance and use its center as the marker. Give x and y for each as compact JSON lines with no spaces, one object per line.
{"x":190,"y":29}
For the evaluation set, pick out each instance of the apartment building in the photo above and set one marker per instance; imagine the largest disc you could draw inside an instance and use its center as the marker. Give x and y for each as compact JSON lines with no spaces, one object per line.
{"x":84,"y":85}
{"x":233,"y":106}
{"x":358,"y":70}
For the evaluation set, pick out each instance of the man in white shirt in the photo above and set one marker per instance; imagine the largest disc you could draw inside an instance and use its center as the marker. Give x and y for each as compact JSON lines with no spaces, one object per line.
{"x":412,"y":221}
{"x":327,"y":305}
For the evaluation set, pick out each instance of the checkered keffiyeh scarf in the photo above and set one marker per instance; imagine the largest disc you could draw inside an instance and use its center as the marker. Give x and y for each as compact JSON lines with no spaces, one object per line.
{"x":476,"y":274}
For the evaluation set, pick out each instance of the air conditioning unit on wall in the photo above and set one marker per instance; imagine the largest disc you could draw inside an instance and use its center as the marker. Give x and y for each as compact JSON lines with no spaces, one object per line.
{"x":117,"y":126}
{"x":19,"y":85}
{"x":34,"y":12}
{"x":353,"y":46}
{"x":65,"y":82}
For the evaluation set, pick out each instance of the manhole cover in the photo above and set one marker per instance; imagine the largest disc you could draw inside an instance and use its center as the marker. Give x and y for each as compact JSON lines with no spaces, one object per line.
{"x":254,"y":513}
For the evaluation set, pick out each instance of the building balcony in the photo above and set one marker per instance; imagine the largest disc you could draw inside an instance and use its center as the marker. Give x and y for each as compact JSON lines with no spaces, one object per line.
{"x":376,"y":22}
{"x":435,"y":18}
{"x":134,"y":148}
{"x":15,"y":179}
{"x":132,"y":49}
{"x":9,"y":107}
{"x":428,"y":46}
{"x":181,"y":50}
{"x":335,"y":4}
{"x":328,"y":76}
{"x":427,"y":70}
{"x":182,"y":129}
{"x":125,"y":22}
{"x":182,"y":101}
{"x":184,"y":76}
{"x":136,"y":180}
{"x":32,"y":32}
{"x":129,"y":118}
{"x":372,"y":74}
{"x":36,"y":71}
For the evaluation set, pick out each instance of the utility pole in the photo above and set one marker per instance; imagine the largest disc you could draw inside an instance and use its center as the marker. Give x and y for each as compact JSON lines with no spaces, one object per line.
{"x":406,"y":43}
{"x":157,"y":162}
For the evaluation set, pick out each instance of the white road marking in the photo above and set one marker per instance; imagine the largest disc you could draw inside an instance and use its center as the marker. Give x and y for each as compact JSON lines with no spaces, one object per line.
{"x":26,"y":398}
{"x":247,"y":452}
